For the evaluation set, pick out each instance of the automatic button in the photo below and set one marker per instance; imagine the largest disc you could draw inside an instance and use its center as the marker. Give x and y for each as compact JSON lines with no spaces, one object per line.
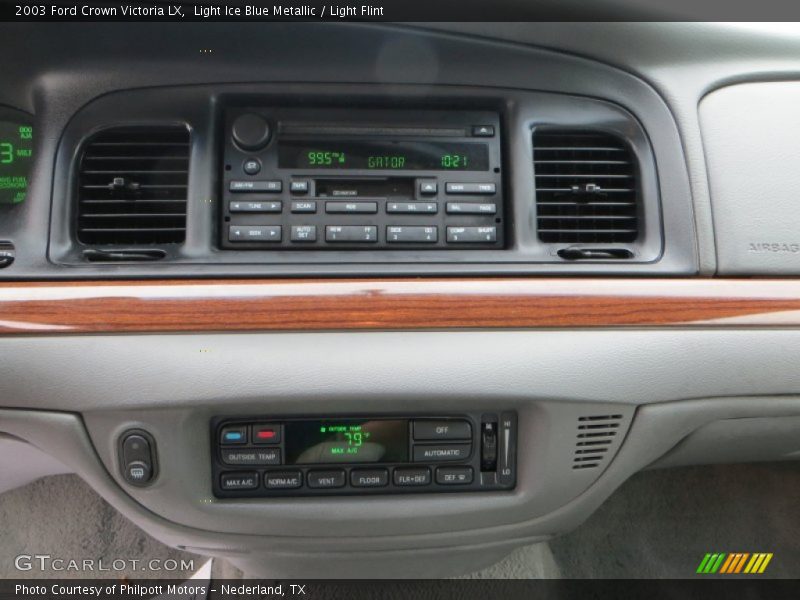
{"x":454,"y":475}
{"x":441,"y":452}
{"x":239,"y":481}
{"x":412,"y":477}
{"x":283,"y":480}
{"x":442,"y":430}
{"x":369,"y":477}
{"x":326,"y":479}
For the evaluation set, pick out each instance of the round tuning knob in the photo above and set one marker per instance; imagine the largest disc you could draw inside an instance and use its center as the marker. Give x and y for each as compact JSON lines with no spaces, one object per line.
{"x":251,"y":131}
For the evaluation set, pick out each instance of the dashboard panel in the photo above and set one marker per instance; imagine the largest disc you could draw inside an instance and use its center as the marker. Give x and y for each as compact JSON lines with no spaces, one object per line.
{"x":583,"y":310}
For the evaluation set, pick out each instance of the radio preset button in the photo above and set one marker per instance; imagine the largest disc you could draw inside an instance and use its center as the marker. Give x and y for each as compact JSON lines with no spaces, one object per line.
{"x":428,"y":188}
{"x":249,"y":233}
{"x":369,"y":477}
{"x":304,"y":207}
{"x":304,"y":233}
{"x":351,"y":233}
{"x":398,"y":235}
{"x":233,"y":435}
{"x":471,"y":235}
{"x":351,"y":207}
{"x":475,"y":189}
{"x":454,"y":475}
{"x":283,"y":480}
{"x":299,"y":187}
{"x":239,"y":481}
{"x":412,"y":207}
{"x":274,"y":206}
{"x":442,"y":430}
{"x":271,"y":187}
{"x":251,"y":457}
{"x":411,"y":477}
{"x":441,"y":452}
{"x":251,"y":166}
{"x":471,"y":208}
{"x":326,"y":479}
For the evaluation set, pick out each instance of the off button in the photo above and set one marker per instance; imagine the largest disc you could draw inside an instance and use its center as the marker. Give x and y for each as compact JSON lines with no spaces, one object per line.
{"x":442,"y":430}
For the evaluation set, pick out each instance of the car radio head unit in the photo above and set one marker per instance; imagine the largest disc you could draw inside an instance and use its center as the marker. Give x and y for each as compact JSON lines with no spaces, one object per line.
{"x":356,"y":179}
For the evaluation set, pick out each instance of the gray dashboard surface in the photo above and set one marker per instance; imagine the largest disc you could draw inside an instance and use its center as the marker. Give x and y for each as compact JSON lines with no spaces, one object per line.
{"x":56,"y":85}
{"x":681,"y":61}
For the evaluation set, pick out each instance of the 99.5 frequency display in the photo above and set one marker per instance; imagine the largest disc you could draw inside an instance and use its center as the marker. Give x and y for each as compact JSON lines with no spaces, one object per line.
{"x":380,"y":155}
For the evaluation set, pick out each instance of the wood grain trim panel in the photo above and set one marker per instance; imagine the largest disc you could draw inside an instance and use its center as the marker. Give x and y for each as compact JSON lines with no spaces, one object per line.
{"x":392,"y":304}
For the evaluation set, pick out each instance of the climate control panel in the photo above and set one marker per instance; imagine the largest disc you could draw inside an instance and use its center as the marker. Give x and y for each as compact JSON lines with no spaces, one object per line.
{"x":272,"y":456}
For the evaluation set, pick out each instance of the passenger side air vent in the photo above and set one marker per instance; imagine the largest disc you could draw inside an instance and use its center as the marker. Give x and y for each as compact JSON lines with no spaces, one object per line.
{"x":132,"y":187}
{"x":586,"y":188}
{"x":597,"y":437}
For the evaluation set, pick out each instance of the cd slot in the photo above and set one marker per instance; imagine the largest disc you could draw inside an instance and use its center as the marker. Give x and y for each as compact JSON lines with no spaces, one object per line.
{"x":365,"y":189}
{"x":288,"y":129}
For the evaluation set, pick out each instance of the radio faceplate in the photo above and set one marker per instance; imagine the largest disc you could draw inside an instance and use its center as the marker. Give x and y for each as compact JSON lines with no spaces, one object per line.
{"x":353,"y":179}
{"x":273,"y":456}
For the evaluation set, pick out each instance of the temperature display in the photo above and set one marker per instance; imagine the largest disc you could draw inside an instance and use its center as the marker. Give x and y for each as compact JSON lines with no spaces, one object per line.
{"x":321,"y":442}
{"x":383,"y":156}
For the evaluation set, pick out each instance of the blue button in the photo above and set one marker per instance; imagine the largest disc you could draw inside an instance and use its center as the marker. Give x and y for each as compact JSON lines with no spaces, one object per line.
{"x":234,"y":434}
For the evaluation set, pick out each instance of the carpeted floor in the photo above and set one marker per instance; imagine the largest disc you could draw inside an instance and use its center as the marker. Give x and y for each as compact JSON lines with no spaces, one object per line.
{"x":659,"y":524}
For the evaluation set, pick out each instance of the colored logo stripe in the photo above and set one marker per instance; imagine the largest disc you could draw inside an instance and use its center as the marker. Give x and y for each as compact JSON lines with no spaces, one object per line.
{"x":734,"y":563}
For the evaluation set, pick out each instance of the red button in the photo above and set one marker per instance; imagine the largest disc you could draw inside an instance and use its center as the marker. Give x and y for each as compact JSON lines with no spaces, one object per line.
{"x":267,"y":434}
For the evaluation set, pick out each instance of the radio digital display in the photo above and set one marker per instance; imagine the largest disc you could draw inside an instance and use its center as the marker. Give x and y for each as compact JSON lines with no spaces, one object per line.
{"x":357,"y":441}
{"x":16,"y":155}
{"x":383,"y":156}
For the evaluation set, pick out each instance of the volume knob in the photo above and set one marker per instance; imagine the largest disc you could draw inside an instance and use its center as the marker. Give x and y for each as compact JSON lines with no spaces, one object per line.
{"x":251,"y":131}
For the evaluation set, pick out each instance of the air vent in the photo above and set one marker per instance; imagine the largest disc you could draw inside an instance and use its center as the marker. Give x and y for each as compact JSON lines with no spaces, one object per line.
{"x":586,"y":187}
{"x":596,"y":440}
{"x":132,"y":186}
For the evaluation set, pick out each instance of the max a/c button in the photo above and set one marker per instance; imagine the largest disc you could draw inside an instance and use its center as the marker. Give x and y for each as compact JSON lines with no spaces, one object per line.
{"x":239,"y":481}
